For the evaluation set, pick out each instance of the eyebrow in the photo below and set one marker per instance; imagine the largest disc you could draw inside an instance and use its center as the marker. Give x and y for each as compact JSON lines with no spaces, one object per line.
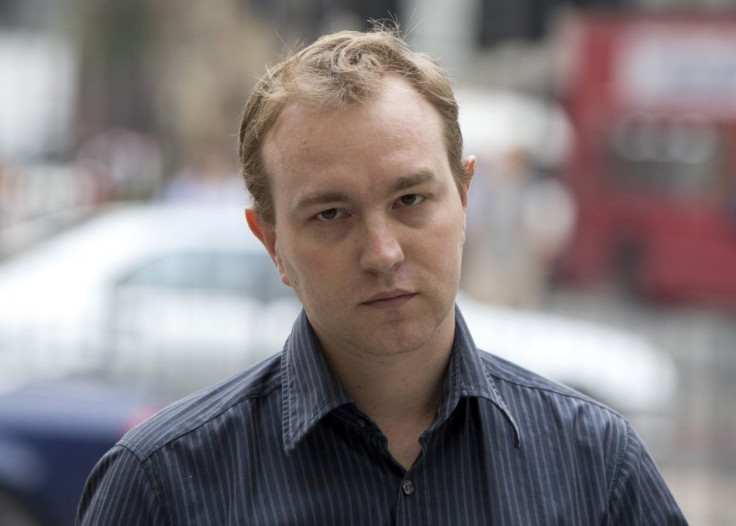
{"x":402,"y":183}
{"x":319,"y":199}
{"x":410,"y":181}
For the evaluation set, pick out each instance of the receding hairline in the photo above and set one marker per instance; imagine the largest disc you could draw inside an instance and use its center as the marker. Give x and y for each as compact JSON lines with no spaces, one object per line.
{"x":299,"y":109}
{"x":296,"y":103}
{"x":384,"y":52}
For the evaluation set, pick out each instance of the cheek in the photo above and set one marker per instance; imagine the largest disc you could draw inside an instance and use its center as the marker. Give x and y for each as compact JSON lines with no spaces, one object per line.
{"x":303,"y":268}
{"x":441,"y":248}
{"x":454,"y":247}
{"x":283,"y":263}
{"x":451,"y":232}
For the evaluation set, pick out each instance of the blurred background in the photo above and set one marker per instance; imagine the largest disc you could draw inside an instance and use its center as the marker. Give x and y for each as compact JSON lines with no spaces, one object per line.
{"x":601,"y":242}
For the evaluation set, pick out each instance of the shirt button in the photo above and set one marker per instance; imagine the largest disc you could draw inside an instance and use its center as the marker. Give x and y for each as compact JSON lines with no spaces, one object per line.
{"x":407,"y":487}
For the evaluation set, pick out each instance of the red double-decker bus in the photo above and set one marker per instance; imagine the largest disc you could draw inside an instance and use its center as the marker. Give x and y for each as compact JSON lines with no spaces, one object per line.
{"x":652,"y":100}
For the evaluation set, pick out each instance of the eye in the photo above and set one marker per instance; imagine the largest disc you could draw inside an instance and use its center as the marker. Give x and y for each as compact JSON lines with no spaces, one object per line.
{"x":411,"y":199}
{"x":330,"y":214}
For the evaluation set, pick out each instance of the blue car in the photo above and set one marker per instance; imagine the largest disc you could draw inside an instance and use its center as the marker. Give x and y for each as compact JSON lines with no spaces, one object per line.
{"x":51,"y":435}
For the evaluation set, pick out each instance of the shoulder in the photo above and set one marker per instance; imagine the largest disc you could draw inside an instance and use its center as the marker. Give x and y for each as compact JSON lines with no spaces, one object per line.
{"x":235,"y":398}
{"x":506,"y":373}
{"x":554,"y":420}
{"x":557,"y":422}
{"x":533,"y":399}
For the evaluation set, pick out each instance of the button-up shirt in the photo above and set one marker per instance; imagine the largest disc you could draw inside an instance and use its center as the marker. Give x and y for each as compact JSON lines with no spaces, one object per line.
{"x":284,"y":443}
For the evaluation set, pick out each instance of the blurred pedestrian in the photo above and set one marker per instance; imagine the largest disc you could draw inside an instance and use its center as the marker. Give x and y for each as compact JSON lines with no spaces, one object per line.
{"x":519,"y":221}
{"x":380,"y":409}
{"x":206,"y":178}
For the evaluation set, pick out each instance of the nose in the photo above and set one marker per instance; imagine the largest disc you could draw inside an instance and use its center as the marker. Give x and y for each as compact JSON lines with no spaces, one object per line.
{"x":381,"y":250}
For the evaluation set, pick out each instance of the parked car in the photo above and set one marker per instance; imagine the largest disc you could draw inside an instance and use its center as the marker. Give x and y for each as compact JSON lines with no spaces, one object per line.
{"x":184,"y":296}
{"x":179,"y":294}
{"x":51,"y":435}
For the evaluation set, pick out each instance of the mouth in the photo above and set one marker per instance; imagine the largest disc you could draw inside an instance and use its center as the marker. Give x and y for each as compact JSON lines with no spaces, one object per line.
{"x":389,"y":299}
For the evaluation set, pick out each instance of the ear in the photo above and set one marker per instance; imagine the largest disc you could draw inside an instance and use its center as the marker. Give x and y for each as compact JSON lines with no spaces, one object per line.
{"x":267,"y":235}
{"x":468,"y":164}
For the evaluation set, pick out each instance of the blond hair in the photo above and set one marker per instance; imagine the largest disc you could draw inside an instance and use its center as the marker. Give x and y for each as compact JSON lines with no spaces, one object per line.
{"x":338,"y":71}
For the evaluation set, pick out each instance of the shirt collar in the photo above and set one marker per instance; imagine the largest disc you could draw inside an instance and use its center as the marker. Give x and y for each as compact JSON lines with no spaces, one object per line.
{"x":469,"y":376}
{"x":311,"y":390}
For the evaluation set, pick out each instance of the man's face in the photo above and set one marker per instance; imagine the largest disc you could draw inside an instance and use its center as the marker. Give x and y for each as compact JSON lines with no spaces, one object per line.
{"x":369,"y":224}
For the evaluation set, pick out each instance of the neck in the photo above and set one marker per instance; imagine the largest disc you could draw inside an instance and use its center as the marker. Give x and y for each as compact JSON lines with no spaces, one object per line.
{"x":399,"y":392}
{"x":397,"y":388}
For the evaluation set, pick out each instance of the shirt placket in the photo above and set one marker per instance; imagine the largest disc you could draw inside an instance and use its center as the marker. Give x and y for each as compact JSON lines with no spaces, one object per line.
{"x":411,"y":498}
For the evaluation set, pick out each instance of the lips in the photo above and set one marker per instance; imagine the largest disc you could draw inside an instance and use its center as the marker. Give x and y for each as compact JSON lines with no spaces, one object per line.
{"x":389,"y":299}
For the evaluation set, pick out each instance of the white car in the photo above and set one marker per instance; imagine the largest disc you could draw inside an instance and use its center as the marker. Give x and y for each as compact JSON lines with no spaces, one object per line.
{"x":182,"y":295}
{"x":187,"y":295}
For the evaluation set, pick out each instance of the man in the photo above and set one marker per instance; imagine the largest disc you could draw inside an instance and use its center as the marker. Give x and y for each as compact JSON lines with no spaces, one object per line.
{"x":379,"y":410}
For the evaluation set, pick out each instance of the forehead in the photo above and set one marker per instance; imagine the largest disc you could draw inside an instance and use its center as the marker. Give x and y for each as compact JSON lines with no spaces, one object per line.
{"x":396,"y":118}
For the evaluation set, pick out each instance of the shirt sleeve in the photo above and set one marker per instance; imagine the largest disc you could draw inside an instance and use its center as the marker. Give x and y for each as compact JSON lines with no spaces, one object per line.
{"x":639,"y":495}
{"x":119,"y":492}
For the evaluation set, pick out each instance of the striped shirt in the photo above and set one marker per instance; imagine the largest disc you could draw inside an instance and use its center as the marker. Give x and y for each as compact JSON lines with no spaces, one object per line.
{"x":283,"y":443}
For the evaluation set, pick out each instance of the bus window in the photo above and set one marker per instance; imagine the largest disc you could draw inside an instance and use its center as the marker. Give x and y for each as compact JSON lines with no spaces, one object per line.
{"x":678,"y":154}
